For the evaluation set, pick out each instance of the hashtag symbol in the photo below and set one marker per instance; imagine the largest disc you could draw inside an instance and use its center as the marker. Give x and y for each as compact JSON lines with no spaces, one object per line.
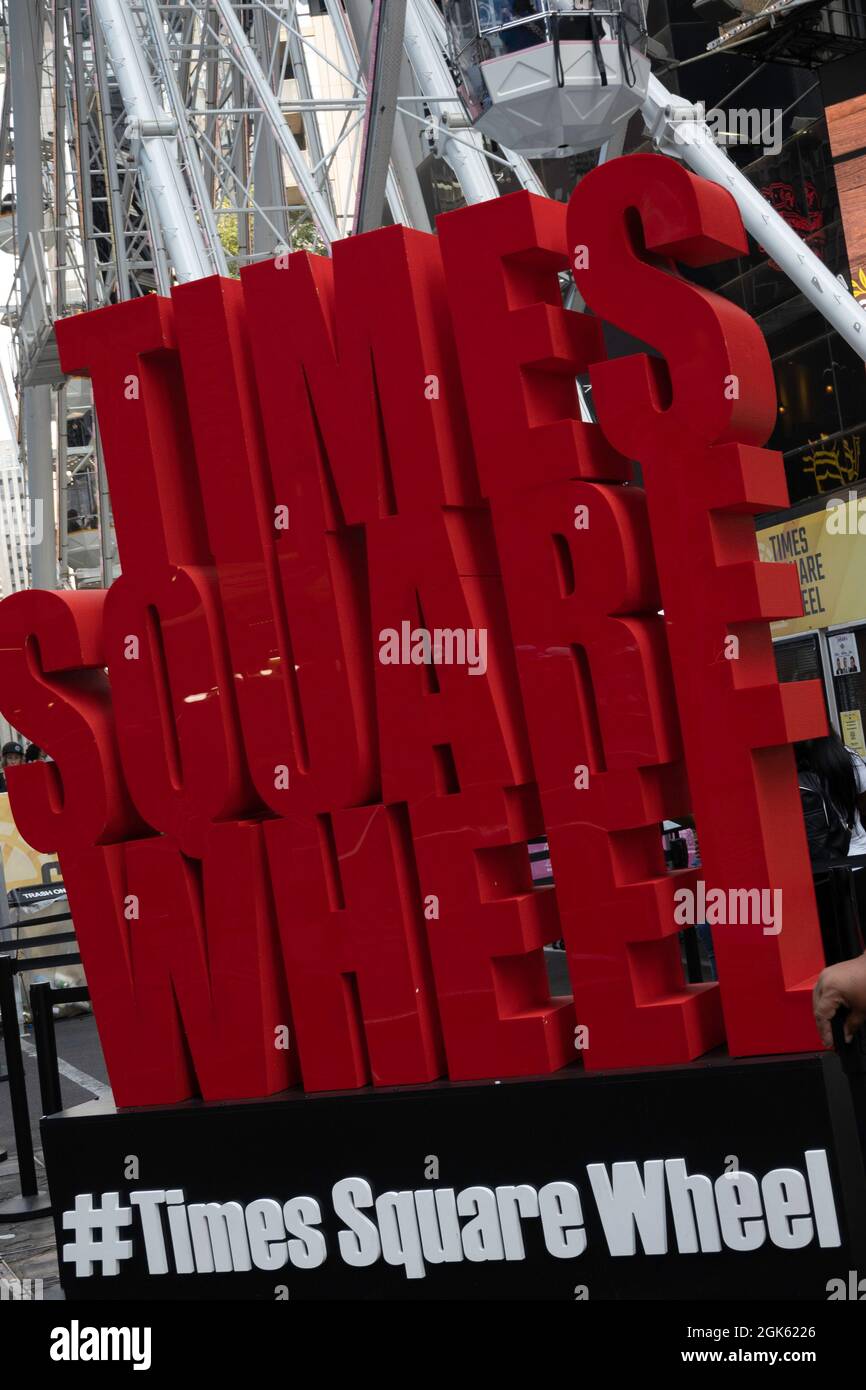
{"x":97,"y":1233}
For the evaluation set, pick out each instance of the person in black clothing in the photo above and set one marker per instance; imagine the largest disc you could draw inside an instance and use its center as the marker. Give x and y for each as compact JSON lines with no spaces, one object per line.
{"x":831,"y":783}
{"x":830,"y":795}
{"x":12,"y":754}
{"x":526,"y":35}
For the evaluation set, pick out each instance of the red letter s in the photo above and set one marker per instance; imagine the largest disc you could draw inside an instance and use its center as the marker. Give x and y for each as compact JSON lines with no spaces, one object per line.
{"x":55,"y":690}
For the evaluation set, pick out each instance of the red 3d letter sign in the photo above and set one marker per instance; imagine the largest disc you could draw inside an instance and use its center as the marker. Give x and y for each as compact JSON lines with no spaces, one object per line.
{"x":390,"y":609}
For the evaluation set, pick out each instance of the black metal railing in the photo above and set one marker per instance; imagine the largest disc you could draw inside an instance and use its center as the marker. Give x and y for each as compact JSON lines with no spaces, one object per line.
{"x":31,"y":1202}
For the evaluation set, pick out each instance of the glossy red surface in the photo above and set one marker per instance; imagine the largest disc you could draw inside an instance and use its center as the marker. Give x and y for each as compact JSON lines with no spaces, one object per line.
{"x":294,"y":845}
{"x":705,"y":481}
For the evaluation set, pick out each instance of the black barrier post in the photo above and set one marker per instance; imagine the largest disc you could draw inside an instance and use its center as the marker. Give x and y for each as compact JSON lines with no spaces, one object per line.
{"x":5,"y":924}
{"x":43,"y":997}
{"x":17,"y":1083}
{"x":42,"y":1011}
{"x":31,"y":1203}
{"x":692,"y":953}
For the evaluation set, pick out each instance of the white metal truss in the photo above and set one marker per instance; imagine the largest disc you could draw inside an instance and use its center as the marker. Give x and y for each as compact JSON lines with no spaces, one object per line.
{"x":158,"y":142}
{"x":173,"y":140}
{"x":269,"y":102}
{"x":679,"y":131}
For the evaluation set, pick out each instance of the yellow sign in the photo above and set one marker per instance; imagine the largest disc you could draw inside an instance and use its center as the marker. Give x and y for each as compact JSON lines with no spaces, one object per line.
{"x":22,"y":865}
{"x":851,"y":728}
{"x":829,"y":551}
{"x":833,"y":465}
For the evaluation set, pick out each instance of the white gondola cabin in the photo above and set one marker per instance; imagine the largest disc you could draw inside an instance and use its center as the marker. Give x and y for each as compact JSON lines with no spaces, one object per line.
{"x":549,"y":77}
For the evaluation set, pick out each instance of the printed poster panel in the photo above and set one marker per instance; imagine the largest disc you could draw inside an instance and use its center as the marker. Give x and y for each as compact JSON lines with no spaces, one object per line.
{"x":24,"y":868}
{"x":844,"y":656}
{"x":851,"y":729}
{"x":830,"y":556}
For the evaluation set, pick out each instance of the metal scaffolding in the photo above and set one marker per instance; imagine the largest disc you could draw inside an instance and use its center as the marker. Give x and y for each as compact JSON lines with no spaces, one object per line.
{"x":144,"y":144}
{"x":155,"y":143}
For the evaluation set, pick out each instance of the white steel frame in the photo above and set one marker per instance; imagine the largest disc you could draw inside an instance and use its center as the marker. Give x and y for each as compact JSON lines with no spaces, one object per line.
{"x":190,"y":137}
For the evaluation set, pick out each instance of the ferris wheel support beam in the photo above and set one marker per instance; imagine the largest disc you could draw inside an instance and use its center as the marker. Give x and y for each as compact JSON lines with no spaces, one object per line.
{"x":60,"y":254}
{"x":26,"y":28}
{"x":217,"y":260}
{"x":246,"y":57}
{"x":405,"y":199}
{"x":520,"y":167}
{"x":677,"y":130}
{"x":271,"y":230}
{"x":312,"y":134}
{"x":466,"y":154}
{"x":111,"y":164}
{"x":386,"y":52}
{"x":157,"y":142}
{"x":404,"y":174}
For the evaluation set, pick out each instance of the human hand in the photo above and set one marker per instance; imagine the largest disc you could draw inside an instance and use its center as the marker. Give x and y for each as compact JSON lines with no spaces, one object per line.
{"x":840,"y":986}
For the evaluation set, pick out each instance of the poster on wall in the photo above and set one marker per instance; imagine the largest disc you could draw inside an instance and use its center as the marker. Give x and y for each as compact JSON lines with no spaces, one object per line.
{"x":830,"y":569}
{"x":844,"y":656}
{"x":29,"y":875}
{"x":851,"y":729}
{"x":35,"y":893}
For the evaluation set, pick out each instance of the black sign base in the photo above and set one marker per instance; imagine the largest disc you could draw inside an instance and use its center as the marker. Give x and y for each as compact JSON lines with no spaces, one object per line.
{"x":718,"y":1180}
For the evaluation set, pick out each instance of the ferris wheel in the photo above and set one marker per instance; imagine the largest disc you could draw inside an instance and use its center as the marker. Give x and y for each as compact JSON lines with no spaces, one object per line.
{"x":146,"y":143}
